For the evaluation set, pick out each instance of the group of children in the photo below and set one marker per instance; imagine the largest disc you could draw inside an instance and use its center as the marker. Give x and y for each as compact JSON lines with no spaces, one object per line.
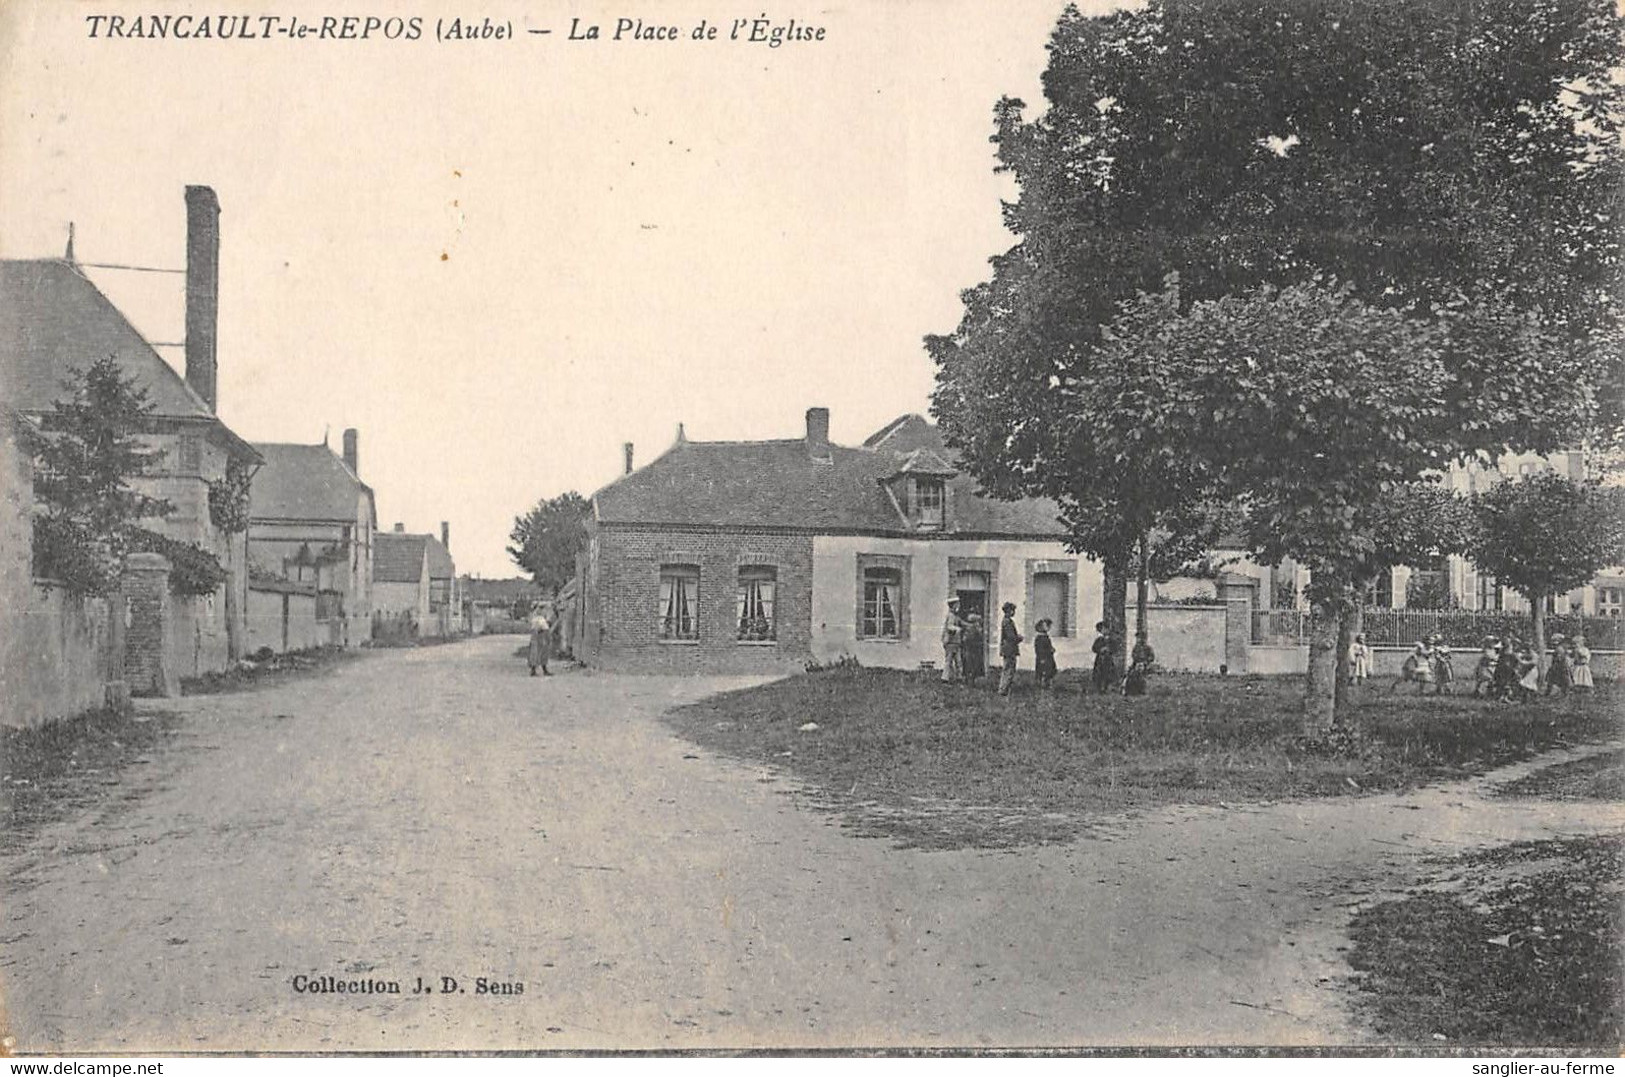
{"x":963,"y":662}
{"x":1508,"y":670}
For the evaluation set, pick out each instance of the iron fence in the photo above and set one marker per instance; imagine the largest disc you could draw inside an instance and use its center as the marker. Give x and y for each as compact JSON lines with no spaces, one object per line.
{"x":1458,"y":628}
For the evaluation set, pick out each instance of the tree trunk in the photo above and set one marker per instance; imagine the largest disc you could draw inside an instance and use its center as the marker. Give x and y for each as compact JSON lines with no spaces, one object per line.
{"x":1141,"y":588}
{"x":1537,"y":615}
{"x":1114,"y":600}
{"x":1319,"y":687}
{"x":1349,"y":625}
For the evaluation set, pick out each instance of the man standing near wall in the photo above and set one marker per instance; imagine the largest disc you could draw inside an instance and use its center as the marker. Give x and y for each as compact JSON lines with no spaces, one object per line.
{"x":1009,"y":648}
{"x":953,"y":630}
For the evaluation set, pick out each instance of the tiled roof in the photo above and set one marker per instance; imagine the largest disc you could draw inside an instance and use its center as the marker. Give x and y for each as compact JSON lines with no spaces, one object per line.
{"x":777,"y":484}
{"x":397,"y":558}
{"x":925,"y":462}
{"x":304,"y":482}
{"x":53,"y":319}
{"x":441,"y":566}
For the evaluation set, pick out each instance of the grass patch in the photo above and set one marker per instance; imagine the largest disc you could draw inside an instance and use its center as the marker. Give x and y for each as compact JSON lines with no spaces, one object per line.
{"x":273,"y":670}
{"x":947,"y":766}
{"x":1516,"y":946}
{"x":1596,"y":777}
{"x":51,"y":770}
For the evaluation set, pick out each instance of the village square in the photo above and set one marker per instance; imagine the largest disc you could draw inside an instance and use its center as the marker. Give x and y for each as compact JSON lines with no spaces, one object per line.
{"x":1225,"y":654}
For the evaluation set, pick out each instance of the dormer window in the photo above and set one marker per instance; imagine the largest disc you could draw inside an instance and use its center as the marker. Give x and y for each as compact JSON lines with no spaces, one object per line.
{"x":928,"y":503}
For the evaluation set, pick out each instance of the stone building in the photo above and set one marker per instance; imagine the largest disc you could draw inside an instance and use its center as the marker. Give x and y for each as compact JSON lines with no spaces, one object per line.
{"x":55,"y":319}
{"x":767,"y":554}
{"x":311,"y":522}
{"x":415,"y":587}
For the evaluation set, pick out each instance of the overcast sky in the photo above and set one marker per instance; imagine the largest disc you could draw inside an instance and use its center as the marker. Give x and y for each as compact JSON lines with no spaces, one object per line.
{"x":501,"y":260}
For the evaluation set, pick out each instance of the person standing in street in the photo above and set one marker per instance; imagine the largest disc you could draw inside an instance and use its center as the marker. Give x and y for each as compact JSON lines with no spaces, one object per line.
{"x":953,"y":631}
{"x":1009,"y":649}
{"x":541,"y":641}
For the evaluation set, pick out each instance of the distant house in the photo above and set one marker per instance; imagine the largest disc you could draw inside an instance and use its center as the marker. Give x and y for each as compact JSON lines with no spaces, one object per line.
{"x":755,"y":554}
{"x":486,"y":601}
{"x":415,"y":590}
{"x":312,"y":522}
{"x":54,"y":319}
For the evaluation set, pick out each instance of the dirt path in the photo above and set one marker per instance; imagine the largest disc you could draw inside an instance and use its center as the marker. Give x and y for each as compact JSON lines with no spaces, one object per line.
{"x":438,"y":813}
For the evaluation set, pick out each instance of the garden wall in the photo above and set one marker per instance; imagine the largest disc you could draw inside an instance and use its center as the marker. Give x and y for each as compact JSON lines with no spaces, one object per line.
{"x":283,"y":618}
{"x":55,"y":651}
{"x":1188,"y":639}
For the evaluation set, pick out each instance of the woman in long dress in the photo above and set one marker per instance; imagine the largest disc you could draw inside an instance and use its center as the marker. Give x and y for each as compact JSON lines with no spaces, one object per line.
{"x":541,"y":641}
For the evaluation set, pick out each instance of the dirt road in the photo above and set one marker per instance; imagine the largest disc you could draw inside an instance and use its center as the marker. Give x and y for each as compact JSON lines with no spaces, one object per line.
{"x":437,"y":813}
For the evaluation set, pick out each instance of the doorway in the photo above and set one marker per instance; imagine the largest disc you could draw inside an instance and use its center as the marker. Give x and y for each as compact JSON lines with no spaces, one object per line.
{"x":971,"y":588}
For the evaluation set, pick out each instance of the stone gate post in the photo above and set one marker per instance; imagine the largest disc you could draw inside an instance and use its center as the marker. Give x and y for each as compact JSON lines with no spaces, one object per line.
{"x":146,"y":640}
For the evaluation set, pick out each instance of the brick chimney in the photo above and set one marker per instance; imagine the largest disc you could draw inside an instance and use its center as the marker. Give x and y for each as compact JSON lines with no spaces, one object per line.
{"x":400,"y":529}
{"x":818,"y":433}
{"x":352,"y":458}
{"x":202,"y":291}
{"x":626,"y":450}
{"x":445,"y":535}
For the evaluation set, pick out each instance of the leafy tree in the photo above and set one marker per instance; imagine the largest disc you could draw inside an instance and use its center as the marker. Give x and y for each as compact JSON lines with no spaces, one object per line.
{"x":1321,"y":415}
{"x":84,"y":460}
{"x":1545,"y":534}
{"x":1410,"y":524}
{"x":547,"y":538}
{"x":1455,"y":163}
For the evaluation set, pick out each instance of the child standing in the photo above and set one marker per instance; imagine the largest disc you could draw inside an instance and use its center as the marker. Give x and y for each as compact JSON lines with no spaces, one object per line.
{"x":1580,"y":663}
{"x":1359,"y":660}
{"x":1444,"y":671}
{"x":1044,"y":654}
{"x":1484,"y":675}
{"x":1558,"y":677}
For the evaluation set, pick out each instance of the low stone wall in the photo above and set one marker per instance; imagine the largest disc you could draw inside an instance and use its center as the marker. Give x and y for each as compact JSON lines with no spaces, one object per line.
{"x":54,"y":658}
{"x":1187,"y":639}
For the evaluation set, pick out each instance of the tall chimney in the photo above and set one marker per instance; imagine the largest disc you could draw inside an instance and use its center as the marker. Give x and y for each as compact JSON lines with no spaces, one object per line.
{"x":352,"y":444}
{"x":818,"y":433}
{"x":445,"y":535}
{"x":202,"y":291}
{"x":627,"y":450}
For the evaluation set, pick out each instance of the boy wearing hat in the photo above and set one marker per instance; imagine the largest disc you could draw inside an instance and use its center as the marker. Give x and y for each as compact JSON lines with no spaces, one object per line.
{"x":1009,"y":648}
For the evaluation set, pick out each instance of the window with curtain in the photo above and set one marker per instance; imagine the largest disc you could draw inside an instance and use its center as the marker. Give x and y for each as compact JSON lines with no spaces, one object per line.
{"x":882,"y":598}
{"x":679,"y":602}
{"x":755,"y":604}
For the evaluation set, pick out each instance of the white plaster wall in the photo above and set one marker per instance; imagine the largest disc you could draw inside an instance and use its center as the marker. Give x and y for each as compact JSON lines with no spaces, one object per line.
{"x":835,"y":597}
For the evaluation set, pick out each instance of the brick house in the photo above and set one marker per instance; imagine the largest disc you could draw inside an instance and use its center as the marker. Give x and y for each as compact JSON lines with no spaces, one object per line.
{"x":762,"y":555}
{"x":311,"y":522}
{"x":56,"y":319}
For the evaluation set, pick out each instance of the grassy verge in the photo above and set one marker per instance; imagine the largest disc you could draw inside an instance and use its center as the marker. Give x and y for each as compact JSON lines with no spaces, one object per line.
{"x":1596,"y":777}
{"x":946,"y":766}
{"x":52,"y":770}
{"x":274,"y":670}
{"x":1519,"y":945}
